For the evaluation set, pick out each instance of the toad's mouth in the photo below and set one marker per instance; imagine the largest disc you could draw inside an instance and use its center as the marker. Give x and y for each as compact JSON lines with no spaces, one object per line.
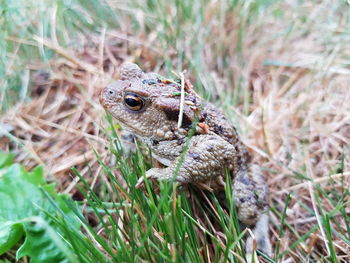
{"x":134,"y":130}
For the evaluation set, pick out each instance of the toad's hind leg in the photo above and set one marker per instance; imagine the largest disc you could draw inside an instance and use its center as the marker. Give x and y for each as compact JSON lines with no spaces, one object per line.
{"x":250,"y":192}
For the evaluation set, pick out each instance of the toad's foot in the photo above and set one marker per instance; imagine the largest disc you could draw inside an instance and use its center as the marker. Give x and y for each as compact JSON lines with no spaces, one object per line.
{"x":159,"y":174}
{"x":261,"y":237}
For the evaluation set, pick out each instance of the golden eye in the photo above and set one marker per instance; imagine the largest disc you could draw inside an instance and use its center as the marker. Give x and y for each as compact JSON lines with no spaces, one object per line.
{"x":133,"y":102}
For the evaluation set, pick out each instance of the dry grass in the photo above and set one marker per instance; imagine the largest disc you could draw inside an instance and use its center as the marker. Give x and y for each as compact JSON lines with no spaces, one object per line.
{"x":290,"y":98}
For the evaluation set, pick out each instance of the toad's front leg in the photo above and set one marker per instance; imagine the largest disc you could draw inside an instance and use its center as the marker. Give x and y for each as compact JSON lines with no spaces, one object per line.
{"x":205,"y":161}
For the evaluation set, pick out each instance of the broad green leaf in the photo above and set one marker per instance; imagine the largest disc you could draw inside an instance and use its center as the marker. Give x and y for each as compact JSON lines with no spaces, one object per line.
{"x":10,"y":234}
{"x":42,"y":243}
{"x":28,"y":207}
{"x":36,"y":177}
{"x":6,"y":159}
{"x":19,"y":198}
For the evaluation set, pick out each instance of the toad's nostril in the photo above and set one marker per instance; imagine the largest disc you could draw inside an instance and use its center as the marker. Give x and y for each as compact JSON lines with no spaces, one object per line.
{"x":109,"y":92}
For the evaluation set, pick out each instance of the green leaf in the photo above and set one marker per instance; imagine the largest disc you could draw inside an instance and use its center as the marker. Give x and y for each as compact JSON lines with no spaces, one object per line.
{"x":36,"y":177}
{"x":42,"y":243}
{"x":19,"y":198}
{"x":6,"y":159}
{"x":10,"y":234}
{"x":29,"y":207}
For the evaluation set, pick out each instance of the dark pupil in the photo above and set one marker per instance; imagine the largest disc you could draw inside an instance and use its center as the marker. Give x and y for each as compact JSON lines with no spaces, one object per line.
{"x":132,"y":102}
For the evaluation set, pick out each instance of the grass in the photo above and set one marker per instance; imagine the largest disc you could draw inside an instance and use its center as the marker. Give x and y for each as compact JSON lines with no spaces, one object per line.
{"x":279,"y":70}
{"x":160,"y":227}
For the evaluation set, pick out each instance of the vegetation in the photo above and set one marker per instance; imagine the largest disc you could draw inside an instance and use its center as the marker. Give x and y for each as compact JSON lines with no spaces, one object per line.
{"x":31,"y":208}
{"x":279,"y":70}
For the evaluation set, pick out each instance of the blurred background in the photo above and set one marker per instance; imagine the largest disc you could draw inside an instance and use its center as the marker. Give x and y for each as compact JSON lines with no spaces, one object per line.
{"x":280,"y":70}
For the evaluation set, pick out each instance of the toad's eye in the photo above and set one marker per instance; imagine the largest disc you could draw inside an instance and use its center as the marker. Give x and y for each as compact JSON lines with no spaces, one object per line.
{"x":133,"y":102}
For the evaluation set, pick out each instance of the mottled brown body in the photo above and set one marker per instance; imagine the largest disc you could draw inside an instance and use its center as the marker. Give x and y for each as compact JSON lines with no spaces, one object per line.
{"x":149,"y":106}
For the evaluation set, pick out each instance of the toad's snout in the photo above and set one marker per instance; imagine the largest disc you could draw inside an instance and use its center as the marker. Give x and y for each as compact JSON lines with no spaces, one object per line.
{"x":107,"y":96}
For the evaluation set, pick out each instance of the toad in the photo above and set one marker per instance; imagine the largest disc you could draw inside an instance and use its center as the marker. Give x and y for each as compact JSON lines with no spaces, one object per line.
{"x":192,"y":139}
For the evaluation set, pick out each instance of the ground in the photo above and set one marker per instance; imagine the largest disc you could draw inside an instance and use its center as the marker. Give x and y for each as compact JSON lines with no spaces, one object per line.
{"x":278,"y":69}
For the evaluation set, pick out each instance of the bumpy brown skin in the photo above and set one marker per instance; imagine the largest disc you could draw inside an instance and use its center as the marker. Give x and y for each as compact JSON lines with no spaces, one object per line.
{"x":214,"y":147}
